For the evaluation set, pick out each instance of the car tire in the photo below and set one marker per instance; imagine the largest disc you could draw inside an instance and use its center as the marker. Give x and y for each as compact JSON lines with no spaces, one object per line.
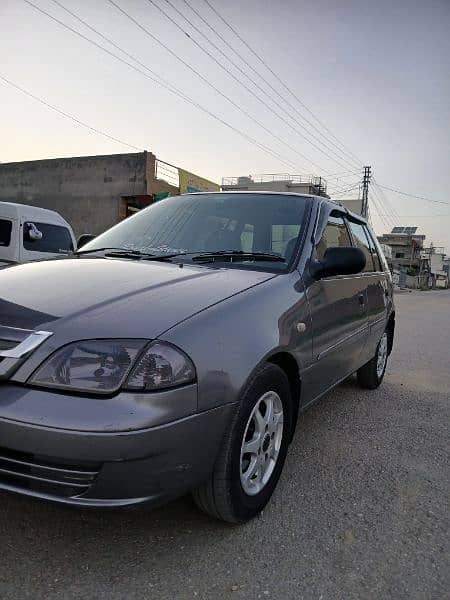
{"x":232,"y":493}
{"x":372,"y":373}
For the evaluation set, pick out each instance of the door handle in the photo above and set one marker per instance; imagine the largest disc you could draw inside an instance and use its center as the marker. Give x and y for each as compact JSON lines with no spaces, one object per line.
{"x":361,"y":299}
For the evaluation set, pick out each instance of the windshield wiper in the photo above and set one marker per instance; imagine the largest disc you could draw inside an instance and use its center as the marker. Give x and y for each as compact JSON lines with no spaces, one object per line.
{"x":137,"y":254}
{"x":238,"y":255}
{"x":92,"y":250}
{"x":130,"y":253}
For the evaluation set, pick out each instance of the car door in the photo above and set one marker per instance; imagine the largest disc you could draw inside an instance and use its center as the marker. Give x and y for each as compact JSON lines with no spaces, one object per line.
{"x":338,"y":309}
{"x":376,"y":286}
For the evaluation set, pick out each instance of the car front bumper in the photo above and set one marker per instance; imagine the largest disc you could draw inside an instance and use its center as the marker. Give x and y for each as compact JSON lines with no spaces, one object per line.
{"x":108,"y":468}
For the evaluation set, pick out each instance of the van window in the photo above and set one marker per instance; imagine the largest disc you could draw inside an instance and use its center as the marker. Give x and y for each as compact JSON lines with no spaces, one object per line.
{"x":373,"y":250}
{"x":335,"y":234}
{"x":361,"y":241}
{"x":56,"y":239}
{"x":5,"y":232}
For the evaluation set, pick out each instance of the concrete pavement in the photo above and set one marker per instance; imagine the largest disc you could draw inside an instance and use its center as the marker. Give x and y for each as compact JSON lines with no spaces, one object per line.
{"x":361,"y":510}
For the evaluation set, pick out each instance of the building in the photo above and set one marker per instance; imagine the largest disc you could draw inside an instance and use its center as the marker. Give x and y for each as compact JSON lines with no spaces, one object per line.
{"x":283,"y":182}
{"x":279,"y":182}
{"x":406,"y":246}
{"x":354,"y":204}
{"x":95,"y":192}
{"x":434,"y":263}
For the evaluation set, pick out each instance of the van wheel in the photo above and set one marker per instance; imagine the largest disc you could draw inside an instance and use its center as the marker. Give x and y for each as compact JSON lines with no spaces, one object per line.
{"x":253,"y":450}
{"x":372,"y":373}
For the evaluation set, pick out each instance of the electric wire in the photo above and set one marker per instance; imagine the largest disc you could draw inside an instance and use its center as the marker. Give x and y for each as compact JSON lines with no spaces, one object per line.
{"x":267,"y":66}
{"x":338,"y":160}
{"x":67,"y":115}
{"x":171,"y":88}
{"x":209,"y":84}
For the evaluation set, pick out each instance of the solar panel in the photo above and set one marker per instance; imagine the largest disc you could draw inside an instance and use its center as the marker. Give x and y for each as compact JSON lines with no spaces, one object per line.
{"x":405,"y":230}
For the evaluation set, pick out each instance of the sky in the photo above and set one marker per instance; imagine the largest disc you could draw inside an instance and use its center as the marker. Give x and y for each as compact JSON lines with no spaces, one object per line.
{"x":376,"y":75}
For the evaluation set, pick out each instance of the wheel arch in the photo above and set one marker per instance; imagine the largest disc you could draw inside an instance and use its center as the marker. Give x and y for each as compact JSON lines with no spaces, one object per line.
{"x":287,"y":363}
{"x":391,"y":329}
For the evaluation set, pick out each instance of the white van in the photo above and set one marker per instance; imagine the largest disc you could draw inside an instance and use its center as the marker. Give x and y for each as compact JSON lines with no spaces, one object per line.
{"x":30,"y":233}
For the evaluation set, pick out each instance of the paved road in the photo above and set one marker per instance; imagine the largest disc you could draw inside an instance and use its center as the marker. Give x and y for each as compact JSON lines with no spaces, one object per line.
{"x":360,"y":511}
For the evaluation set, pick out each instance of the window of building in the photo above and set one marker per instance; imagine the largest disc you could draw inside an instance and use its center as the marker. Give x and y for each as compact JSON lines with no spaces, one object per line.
{"x":56,"y":239}
{"x":399,"y":255}
{"x":335,"y":234}
{"x":5,"y":232}
{"x":361,"y":241}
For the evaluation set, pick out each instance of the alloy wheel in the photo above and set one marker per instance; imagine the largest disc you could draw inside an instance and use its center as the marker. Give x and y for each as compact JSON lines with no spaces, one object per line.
{"x":382,"y":355}
{"x":261,"y":443}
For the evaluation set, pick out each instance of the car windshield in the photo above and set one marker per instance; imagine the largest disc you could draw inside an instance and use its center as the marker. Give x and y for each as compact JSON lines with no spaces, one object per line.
{"x":208,"y":223}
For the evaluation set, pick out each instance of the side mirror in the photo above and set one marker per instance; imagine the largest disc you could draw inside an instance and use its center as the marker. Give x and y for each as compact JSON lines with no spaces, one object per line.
{"x":33,"y":233}
{"x":339,"y":261}
{"x":84,"y":239}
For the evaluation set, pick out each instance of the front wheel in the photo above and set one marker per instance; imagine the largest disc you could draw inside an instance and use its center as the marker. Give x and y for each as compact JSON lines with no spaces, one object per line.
{"x":372,"y":373}
{"x":253,"y":450}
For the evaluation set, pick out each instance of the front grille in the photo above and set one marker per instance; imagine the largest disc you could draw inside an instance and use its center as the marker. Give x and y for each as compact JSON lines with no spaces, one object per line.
{"x":45,"y":475}
{"x":16,"y":345}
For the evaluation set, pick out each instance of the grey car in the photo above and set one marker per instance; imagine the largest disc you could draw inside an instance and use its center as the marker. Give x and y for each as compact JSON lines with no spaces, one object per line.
{"x":174,"y":352}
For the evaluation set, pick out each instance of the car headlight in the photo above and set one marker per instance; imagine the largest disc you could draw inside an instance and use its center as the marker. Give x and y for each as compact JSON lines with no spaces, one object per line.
{"x":105,"y":366}
{"x":161,"y":366}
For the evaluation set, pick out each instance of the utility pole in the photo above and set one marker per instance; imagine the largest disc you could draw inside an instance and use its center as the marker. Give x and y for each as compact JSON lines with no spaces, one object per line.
{"x":365,"y":191}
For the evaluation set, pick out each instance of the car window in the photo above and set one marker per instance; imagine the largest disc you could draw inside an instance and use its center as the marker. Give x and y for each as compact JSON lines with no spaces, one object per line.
{"x":247,"y":237}
{"x":56,"y":239}
{"x":281,"y":236}
{"x":335,"y":234}
{"x":5,"y":232}
{"x":373,"y":250}
{"x":215,"y":222}
{"x":361,"y":241}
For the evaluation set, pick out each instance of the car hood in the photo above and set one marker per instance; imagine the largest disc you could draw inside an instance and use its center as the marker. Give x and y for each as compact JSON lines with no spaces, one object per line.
{"x":106,"y":297}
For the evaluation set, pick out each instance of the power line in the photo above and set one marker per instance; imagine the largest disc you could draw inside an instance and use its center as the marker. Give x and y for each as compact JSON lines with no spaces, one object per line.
{"x":247,"y":76}
{"x":253,"y":70}
{"x":208,"y":83}
{"x":421,"y":216}
{"x":379,"y":212}
{"x":67,"y":115}
{"x":385,"y":187}
{"x":384,"y":205}
{"x":345,"y":191}
{"x":171,"y":88}
{"x":236,"y":33}
{"x":346,"y":173}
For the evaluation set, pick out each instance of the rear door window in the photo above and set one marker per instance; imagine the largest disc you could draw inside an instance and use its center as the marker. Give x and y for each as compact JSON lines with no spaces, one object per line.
{"x":56,"y":239}
{"x":5,"y":233}
{"x":335,"y":235}
{"x":361,"y":242}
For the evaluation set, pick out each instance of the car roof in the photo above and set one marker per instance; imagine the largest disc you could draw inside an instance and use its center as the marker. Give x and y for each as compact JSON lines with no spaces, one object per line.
{"x":17,"y":210}
{"x":334,"y":204}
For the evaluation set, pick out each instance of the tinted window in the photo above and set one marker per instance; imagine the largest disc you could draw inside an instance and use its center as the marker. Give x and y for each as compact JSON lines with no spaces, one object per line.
{"x":5,"y":232}
{"x":56,"y":239}
{"x":335,"y":234}
{"x":214,"y":222}
{"x":361,"y":241}
{"x":374,"y":251}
